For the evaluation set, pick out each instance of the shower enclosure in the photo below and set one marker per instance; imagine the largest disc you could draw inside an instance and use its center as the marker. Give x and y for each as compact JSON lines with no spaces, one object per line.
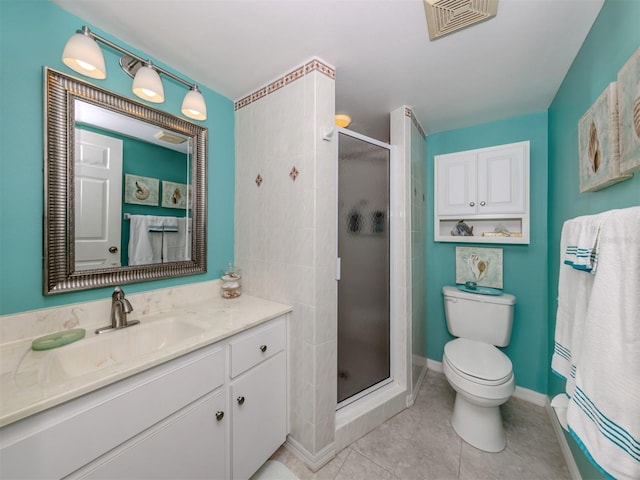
{"x":364,"y":346}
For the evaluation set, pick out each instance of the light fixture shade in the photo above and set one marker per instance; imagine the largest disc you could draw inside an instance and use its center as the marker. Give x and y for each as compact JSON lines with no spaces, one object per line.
{"x":147,"y":85}
{"x":193,"y":105}
{"x":83,"y":55}
{"x":342,"y":120}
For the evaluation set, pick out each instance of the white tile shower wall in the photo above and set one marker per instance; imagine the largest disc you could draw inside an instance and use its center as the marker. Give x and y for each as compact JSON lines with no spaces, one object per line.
{"x":285,"y":232}
{"x":418,"y":246}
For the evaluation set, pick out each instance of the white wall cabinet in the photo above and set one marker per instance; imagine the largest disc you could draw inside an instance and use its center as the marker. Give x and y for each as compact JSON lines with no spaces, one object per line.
{"x":176,"y":420}
{"x":488,"y":188}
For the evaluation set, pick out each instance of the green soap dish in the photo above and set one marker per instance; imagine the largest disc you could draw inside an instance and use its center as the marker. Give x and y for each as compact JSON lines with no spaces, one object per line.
{"x":58,"y":339}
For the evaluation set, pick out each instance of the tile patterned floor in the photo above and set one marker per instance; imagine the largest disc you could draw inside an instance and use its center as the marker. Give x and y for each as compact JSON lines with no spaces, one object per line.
{"x":419,"y":443}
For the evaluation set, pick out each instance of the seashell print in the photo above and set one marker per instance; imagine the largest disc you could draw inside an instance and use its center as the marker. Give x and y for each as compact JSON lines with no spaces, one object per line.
{"x":461,"y":229}
{"x":176,"y":196}
{"x":142,"y":191}
{"x":479,"y":266}
{"x":594,"y":147}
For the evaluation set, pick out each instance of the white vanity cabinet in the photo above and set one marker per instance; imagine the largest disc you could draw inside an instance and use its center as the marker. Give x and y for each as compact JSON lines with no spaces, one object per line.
{"x":180,"y":419}
{"x":487,"y":188}
{"x":258,"y":395}
{"x":190,"y":444}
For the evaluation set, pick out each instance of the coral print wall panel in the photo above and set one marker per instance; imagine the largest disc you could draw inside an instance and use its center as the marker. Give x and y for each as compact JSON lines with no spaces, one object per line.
{"x":598,"y":145}
{"x":629,"y":113}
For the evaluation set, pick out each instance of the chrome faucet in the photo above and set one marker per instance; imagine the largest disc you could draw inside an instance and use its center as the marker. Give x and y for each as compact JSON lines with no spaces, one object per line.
{"x":120,"y":307}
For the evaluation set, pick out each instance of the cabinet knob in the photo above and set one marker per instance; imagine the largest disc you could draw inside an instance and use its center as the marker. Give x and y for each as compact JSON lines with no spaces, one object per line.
{"x":219,"y":415}
{"x":240,"y":400}
{"x":483,"y":203}
{"x":472,"y":204}
{"x":263,"y":348}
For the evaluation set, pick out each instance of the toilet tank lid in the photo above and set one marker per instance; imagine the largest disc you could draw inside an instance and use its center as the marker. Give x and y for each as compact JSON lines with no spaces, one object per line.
{"x":504,"y":299}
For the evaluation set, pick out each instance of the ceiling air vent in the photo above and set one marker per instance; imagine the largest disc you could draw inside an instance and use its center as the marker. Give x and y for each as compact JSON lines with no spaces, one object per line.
{"x":170,"y":137}
{"x":448,"y":16}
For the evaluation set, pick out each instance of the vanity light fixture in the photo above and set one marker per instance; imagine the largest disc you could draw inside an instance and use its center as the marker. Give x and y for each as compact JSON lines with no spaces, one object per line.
{"x":342,"y":120}
{"x":83,"y":55}
{"x":147,"y":84}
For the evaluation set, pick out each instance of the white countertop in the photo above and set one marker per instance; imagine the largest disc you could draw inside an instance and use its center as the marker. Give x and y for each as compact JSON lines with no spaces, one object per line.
{"x":24,"y":394}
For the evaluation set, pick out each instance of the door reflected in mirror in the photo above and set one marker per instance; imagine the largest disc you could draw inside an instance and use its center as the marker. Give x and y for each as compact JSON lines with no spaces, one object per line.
{"x":129,"y":175}
{"x":125,"y":189}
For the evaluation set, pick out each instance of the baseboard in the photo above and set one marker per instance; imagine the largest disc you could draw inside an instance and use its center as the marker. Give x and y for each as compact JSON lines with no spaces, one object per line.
{"x":411,"y":398}
{"x":313,"y":462}
{"x":522,"y":393}
{"x":562,"y":440}
{"x":434,"y":365}
{"x":531,"y":396}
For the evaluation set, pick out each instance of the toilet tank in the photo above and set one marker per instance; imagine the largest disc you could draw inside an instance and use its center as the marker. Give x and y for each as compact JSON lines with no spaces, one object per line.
{"x":485,"y":318}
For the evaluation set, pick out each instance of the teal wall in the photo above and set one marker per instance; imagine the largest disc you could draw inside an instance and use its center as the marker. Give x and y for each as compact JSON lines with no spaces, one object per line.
{"x":613,"y":38}
{"x":32,"y":35}
{"x":525,"y":270}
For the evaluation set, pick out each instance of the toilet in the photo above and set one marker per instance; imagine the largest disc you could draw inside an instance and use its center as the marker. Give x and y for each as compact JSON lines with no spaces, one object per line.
{"x":480,"y":373}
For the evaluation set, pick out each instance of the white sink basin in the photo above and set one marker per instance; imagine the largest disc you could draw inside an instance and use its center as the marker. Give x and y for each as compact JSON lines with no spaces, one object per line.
{"x":96,"y":352}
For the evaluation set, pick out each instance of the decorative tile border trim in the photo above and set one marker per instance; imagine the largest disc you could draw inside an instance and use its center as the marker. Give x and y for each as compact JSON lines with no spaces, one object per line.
{"x":311,"y":66}
{"x":409,"y":113}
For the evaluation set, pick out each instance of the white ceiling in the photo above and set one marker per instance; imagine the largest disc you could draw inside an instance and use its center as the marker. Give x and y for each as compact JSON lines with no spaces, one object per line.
{"x":510,"y":65}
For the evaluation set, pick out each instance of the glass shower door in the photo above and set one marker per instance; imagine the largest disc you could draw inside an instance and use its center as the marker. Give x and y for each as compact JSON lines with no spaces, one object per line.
{"x":363,"y":248}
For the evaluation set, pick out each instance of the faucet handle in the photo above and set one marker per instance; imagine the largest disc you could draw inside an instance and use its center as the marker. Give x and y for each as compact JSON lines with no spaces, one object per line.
{"x":118,"y":294}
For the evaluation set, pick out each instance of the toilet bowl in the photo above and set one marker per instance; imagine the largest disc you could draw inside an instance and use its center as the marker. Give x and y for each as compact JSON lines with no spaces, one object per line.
{"x":476,"y":369}
{"x":482,"y":377}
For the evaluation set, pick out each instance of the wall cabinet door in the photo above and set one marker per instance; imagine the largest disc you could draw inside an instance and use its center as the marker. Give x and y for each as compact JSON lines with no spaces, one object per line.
{"x":189,"y":445}
{"x":501,"y":180}
{"x":456,"y":183}
{"x":259,"y":399}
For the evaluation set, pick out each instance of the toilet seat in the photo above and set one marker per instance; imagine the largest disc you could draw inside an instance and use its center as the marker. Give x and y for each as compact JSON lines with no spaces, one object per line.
{"x":478,"y":362}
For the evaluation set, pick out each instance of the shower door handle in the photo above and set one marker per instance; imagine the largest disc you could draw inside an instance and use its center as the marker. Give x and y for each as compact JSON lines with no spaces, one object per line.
{"x":338,"y":265}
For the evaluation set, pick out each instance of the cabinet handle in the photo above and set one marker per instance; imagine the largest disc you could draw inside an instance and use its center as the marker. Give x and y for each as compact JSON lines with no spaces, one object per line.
{"x":483,"y":203}
{"x":472,"y":204}
{"x":240,"y":400}
{"x":219,"y":415}
{"x":263,"y":348}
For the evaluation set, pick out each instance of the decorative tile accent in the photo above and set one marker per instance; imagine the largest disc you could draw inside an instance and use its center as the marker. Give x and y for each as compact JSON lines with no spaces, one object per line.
{"x":316,"y":64}
{"x":259,"y":94}
{"x":258,"y":180}
{"x":311,"y":66}
{"x":294,"y":173}
{"x":275,"y":85}
{"x":295,"y":75}
{"x":409,"y":113}
{"x":243,"y":102}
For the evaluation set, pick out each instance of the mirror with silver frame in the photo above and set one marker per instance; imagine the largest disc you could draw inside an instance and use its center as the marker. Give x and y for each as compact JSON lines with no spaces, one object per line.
{"x":124,"y":189}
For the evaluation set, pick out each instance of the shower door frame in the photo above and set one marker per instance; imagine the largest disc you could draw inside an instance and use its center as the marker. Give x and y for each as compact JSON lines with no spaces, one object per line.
{"x":393,"y":254}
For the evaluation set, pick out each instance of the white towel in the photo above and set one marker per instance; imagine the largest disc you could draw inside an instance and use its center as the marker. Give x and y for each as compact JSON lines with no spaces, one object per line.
{"x":604,"y":411}
{"x":145,"y":245}
{"x":177,"y":245}
{"x":583,"y":241}
{"x":574,"y":288}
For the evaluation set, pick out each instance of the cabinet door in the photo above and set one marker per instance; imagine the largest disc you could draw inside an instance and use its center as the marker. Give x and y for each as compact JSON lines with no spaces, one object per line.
{"x":191,"y":444}
{"x":456,"y":186}
{"x":259,"y":415}
{"x":502,"y":180}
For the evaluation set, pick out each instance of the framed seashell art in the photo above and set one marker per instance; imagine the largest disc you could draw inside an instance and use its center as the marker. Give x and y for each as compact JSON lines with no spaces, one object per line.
{"x":598,"y":143}
{"x":176,"y":195}
{"x":629,"y":114}
{"x":480,"y":265}
{"x":141,"y":190}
